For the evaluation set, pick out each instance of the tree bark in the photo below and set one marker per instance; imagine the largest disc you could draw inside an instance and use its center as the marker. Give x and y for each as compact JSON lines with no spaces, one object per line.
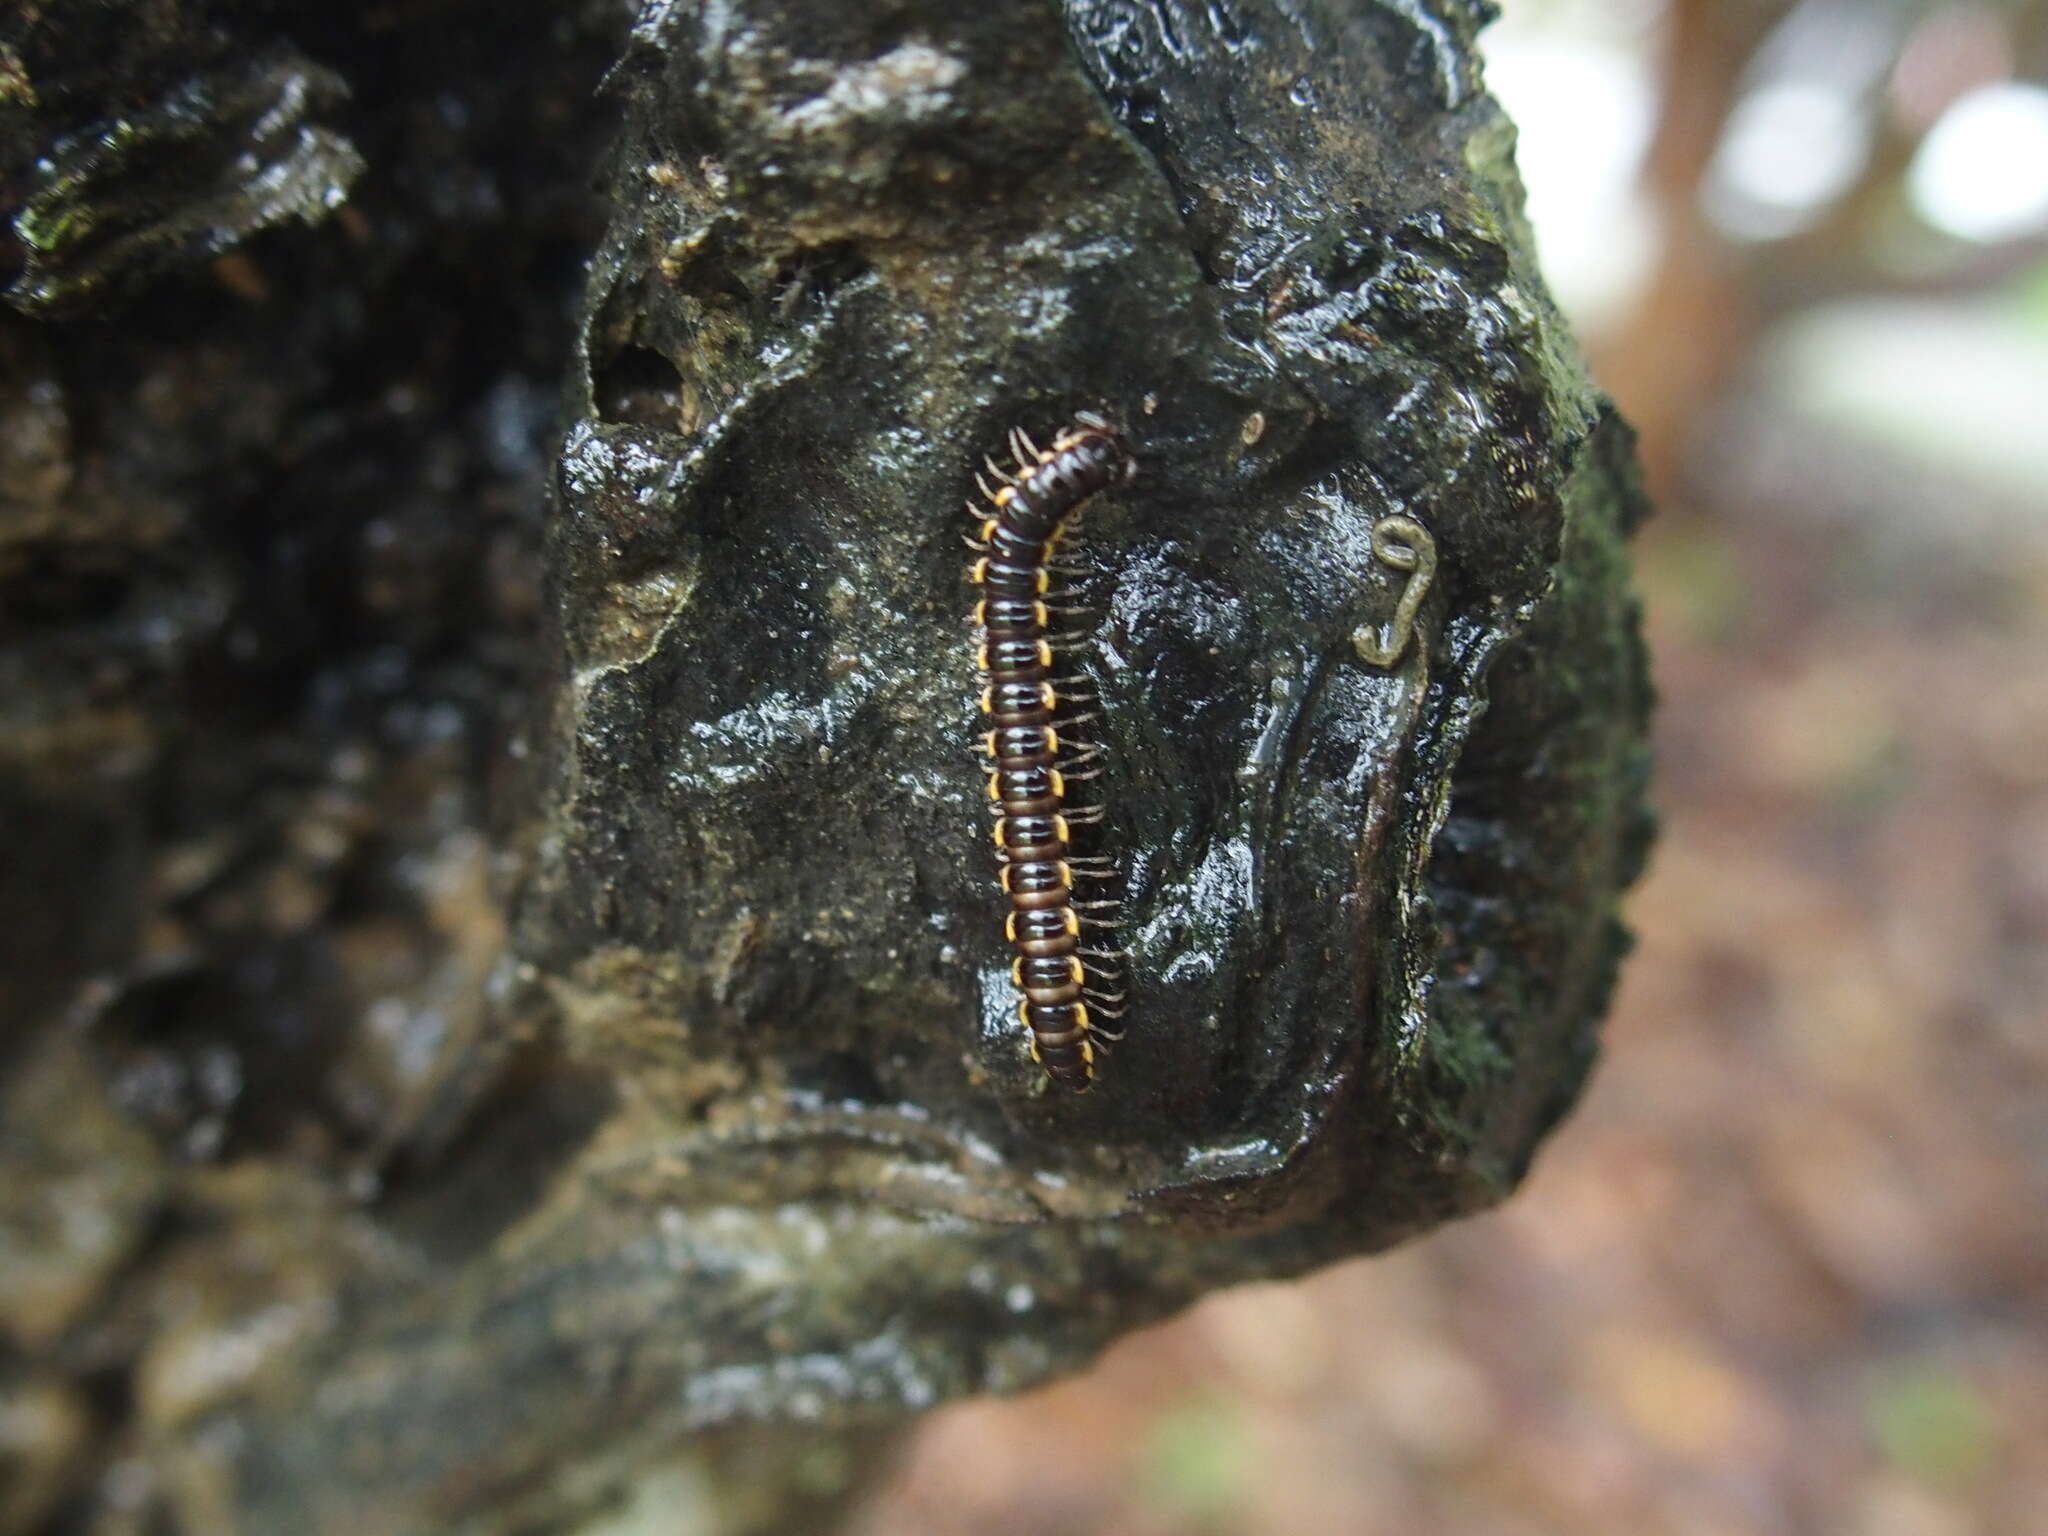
{"x":516,"y":1018}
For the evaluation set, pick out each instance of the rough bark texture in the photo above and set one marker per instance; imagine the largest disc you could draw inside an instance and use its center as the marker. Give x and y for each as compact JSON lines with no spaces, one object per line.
{"x":507,"y":995}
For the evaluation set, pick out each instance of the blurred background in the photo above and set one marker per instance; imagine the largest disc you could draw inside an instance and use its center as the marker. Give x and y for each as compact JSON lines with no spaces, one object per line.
{"x":1786,"y":1269}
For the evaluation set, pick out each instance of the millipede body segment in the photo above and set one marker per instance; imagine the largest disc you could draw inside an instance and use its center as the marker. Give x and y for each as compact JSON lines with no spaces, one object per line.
{"x":1028,"y":514}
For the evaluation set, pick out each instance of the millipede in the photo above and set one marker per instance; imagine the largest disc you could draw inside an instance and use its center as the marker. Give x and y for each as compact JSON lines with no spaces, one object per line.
{"x":1032,"y":760}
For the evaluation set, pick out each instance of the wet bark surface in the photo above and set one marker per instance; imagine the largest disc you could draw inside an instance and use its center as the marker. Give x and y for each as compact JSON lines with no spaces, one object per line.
{"x":510,"y":989}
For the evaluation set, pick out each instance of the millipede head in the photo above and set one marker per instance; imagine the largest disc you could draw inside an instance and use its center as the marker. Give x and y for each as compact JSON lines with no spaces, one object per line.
{"x":1103,"y":452}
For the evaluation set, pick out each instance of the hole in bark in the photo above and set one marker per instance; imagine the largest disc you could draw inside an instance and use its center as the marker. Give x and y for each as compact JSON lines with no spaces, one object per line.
{"x":807,"y":277}
{"x":641,"y":387}
{"x":840,"y":1078}
{"x":517,"y":1143}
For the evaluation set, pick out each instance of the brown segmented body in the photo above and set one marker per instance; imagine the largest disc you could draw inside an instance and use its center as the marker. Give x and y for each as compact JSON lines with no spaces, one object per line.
{"x":1029,"y":514}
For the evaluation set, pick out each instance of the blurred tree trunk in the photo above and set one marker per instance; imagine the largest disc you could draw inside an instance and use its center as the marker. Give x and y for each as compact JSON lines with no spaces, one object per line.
{"x":509,"y":1025}
{"x":1697,"y":321}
